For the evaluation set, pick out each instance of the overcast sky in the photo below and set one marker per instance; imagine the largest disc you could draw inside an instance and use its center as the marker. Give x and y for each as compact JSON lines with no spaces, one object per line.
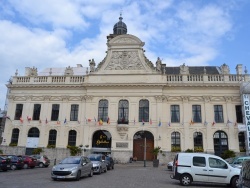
{"x":62,"y":33}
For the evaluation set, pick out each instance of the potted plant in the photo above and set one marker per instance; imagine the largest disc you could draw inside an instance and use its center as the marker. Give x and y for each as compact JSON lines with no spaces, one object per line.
{"x":156,"y":151}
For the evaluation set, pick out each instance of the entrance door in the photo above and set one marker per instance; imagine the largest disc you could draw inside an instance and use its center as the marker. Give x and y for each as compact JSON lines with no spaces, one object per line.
{"x":139,"y":144}
{"x":220,"y":142}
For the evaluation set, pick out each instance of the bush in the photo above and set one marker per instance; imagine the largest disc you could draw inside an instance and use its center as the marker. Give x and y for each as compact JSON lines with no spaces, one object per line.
{"x":189,"y":151}
{"x":198,"y":149}
{"x":175,"y":149}
{"x":13,"y":144}
{"x":74,"y":150}
{"x":51,"y":146}
{"x":1,"y":152}
{"x":37,"y":151}
{"x":228,"y":154}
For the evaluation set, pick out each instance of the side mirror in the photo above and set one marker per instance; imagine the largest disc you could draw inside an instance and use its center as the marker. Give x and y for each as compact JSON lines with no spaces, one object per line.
{"x":84,"y":163}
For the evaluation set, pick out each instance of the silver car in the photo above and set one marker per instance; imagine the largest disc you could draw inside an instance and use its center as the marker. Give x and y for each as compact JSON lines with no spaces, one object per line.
{"x":72,"y":168}
{"x":99,"y":163}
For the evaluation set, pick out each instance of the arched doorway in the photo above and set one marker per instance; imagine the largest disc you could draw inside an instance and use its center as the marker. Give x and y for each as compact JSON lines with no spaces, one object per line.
{"x":32,"y":140}
{"x":101,"y":142}
{"x":220,"y":142}
{"x":139,"y":144}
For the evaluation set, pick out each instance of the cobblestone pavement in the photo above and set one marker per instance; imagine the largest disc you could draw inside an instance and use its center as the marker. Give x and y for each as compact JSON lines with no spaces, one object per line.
{"x":123,"y":176}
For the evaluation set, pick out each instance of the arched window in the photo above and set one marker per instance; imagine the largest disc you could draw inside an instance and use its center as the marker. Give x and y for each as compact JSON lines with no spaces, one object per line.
{"x":15,"y":136}
{"x":198,"y":142}
{"x":144,"y":111}
{"x":103,"y":110}
{"x":72,"y":138}
{"x":34,"y":132}
{"x":220,"y":142}
{"x":175,"y":141}
{"x":52,"y":137}
{"x":123,"y":112}
{"x":242,"y":144}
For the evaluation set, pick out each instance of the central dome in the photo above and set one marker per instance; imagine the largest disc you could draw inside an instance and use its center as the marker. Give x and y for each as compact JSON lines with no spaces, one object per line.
{"x":120,"y":27}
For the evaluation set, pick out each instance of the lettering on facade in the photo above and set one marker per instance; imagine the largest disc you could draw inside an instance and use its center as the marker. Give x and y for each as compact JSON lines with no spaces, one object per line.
{"x":121,"y":144}
{"x":247,"y":118}
{"x":102,"y":140}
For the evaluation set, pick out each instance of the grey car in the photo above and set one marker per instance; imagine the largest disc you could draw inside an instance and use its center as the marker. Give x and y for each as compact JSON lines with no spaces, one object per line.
{"x":73,"y":167}
{"x":99,"y":163}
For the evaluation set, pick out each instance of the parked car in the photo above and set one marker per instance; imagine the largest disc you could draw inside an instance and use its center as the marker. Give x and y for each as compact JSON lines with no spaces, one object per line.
{"x":99,"y":163}
{"x":237,"y":161}
{"x":4,"y":163}
{"x":72,"y":168}
{"x":29,"y":162}
{"x":200,"y":167}
{"x":110,"y":162}
{"x":42,"y":160}
{"x":170,"y":165}
{"x":16,"y":162}
{"x":244,"y":179}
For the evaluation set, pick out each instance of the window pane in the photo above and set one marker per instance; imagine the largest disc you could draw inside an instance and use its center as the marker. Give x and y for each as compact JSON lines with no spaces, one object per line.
{"x":72,"y":138}
{"x":15,"y":136}
{"x":198,"y":143}
{"x":52,"y":137}
{"x":36,"y":111}
{"x":175,"y":114}
{"x":144,"y":110}
{"x":123,"y":112}
{"x":55,"y":112}
{"x":239,"y":116}
{"x":103,"y":110}
{"x":74,"y":112}
{"x":196,"y":113}
{"x":19,"y":110}
{"x":218,"y":114}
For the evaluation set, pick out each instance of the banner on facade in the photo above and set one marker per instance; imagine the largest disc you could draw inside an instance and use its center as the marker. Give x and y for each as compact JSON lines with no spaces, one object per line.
{"x":247,"y":119}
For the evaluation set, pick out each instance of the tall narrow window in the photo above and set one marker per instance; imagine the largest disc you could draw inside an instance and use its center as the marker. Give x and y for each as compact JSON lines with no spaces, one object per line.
{"x":123,"y":112}
{"x":218,"y":114}
{"x":74,"y":112}
{"x":15,"y":136}
{"x":144,"y":111}
{"x":55,"y":112}
{"x":239,"y":116}
{"x":196,"y":113}
{"x":175,"y":141}
{"x":198,"y":143}
{"x":242,"y":144}
{"x":19,"y":111}
{"x":72,"y":138}
{"x":175,"y":113}
{"x":52,"y":137}
{"x":36,"y":111}
{"x":103,"y":110}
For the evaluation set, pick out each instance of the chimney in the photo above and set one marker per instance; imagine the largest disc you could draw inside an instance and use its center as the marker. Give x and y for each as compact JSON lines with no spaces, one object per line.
{"x":239,"y":69}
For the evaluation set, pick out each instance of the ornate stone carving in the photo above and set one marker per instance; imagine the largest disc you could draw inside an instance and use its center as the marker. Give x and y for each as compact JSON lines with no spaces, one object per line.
{"x":158,"y":64}
{"x":184,"y":69}
{"x":122,"y":128}
{"x":11,"y":97}
{"x":225,"y":69}
{"x":185,"y":98}
{"x":126,"y":60}
{"x":31,"y":71}
{"x":86,"y":97}
{"x":160,"y":97}
{"x":46,"y":97}
{"x":92,"y":65}
{"x":228,"y":98}
{"x":68,"y":71}
{"x":207,"y":98}
{"x":125,"y":40}
{"x":65,"y":97}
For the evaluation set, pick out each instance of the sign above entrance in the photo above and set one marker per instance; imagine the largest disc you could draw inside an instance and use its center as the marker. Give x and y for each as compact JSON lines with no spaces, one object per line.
{"x":241,"y":127}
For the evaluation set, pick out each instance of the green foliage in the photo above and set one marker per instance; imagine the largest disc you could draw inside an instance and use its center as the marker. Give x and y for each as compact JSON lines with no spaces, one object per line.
{"x":189,"y":151}
{"x":1,"y":152}
{"x":12,"y":144}
{"x":175,"y":149}
{"x":37,"y":151}
{"x":242,"y":150}
{"x":228,"y":154}
{"x":74,"y":150}
{"x":156,"y":151}
{"x":51,"y":146}
{"x":198,"y":149}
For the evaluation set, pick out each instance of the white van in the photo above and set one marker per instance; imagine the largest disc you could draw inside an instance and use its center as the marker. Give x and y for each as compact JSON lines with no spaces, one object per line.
{"x":200,"y":167}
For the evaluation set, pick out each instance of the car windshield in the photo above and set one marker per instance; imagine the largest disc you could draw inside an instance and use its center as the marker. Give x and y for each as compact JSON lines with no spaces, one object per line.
{"x":230,"y":160}
{"x":70,"y":160}
{"x":94,"y":157}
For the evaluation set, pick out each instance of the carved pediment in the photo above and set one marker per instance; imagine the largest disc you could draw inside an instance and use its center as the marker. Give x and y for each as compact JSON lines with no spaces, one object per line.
{"x":126,"y":40}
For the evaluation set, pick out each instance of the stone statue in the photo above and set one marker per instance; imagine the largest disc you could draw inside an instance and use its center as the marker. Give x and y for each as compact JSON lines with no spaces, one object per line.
{"x":92,"y":65}
{"x":158,"y":64}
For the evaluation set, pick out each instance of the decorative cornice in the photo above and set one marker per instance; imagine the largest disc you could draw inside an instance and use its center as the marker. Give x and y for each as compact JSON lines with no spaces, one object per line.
{"x":160,"y":97}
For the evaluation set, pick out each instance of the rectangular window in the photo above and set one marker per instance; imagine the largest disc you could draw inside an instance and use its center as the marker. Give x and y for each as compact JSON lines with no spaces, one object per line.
{"x":55,"y":112}
{"x":19,"y":111}
{"x":196,"y":113}
{"x":175,"y":113}
{"x":199,"y":161}
{"x":239,"y":115}
{"x":74,"y":112}
{"x":218,"y":114}
{"x":36,"y":111}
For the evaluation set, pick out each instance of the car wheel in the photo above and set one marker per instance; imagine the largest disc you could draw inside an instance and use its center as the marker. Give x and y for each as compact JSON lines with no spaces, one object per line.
{"x":13,"y":167}
{"x":78,"y":176}
{"x":235,"y":182}
{"x":25,"y":166}
{"x":185,"y":180}
{"x":91,"y":173}
{"x":109,"y":167}
{"x":100,"y":170}
{"x":54,"y":179}
{"x":41,"y":165}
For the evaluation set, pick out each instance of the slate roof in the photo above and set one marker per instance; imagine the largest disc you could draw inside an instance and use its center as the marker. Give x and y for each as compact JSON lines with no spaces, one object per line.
{"x":195,"y":70}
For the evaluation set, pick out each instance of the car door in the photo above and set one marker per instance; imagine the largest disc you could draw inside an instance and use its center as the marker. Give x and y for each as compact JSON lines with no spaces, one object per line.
{"x":218,"y":170}
{"x":200,"y":169}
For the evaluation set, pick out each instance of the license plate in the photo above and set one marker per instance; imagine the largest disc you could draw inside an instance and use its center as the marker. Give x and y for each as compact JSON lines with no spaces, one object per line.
{"x":61,"y":177}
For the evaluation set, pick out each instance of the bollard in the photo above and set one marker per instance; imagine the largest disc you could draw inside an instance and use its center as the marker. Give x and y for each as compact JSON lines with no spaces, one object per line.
{"x":55,"y":162}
